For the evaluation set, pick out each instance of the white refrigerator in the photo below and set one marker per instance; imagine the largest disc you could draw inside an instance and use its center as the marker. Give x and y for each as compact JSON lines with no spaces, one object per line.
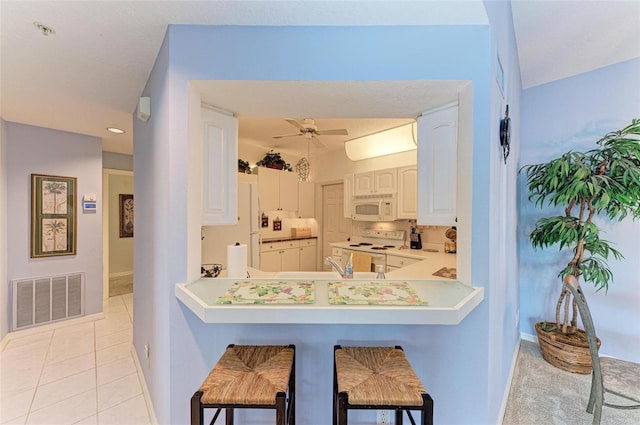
{"x":216,"y":238}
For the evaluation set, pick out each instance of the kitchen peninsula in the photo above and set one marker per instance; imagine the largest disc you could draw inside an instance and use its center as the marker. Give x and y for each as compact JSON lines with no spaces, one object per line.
{"x":448,"y":301}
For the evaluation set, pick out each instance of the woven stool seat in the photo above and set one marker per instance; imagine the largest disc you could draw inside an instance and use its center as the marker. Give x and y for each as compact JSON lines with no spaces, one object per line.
{"x":249,"y":376}
{"x":377,"y":378}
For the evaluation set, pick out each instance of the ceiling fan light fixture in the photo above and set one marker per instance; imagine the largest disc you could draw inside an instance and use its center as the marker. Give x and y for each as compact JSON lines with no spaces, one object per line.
{"x":386,"y":142}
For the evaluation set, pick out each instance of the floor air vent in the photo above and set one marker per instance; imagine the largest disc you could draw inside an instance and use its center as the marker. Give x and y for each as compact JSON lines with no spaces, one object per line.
{"x":47,"y":299}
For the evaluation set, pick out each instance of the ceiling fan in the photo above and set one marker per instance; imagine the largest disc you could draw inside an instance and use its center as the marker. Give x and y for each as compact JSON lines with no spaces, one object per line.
{"x":309,"y":130}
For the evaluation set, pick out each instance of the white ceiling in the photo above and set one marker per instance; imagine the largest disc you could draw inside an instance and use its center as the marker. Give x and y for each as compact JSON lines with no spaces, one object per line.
{"x":90,"y":73}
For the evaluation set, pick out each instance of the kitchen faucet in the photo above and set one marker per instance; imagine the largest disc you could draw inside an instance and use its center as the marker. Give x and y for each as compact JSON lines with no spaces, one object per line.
{"x":332,"y":262}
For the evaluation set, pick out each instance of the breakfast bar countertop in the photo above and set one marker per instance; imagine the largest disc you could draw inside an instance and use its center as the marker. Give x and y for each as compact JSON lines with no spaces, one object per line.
{"x":448,"y":303}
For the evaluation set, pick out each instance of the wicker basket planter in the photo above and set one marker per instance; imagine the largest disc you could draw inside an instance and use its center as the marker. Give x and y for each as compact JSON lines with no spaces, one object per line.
{"x":567,"y":352}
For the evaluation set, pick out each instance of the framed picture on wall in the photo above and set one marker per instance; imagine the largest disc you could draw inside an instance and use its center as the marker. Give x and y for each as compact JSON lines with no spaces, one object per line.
{"x":126,"y":215}
{"x":53,"y":215}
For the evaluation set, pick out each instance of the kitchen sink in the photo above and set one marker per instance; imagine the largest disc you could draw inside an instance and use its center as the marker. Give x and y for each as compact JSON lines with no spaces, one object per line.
{"x":322,"y":275}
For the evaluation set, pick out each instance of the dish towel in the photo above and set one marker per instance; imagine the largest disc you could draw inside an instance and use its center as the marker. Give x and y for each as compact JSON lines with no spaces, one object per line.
{"x":361,"y":262}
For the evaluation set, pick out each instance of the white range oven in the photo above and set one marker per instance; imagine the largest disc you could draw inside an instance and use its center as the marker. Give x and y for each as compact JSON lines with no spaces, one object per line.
{"x":376,"y":259}
{"x":375,"y":243}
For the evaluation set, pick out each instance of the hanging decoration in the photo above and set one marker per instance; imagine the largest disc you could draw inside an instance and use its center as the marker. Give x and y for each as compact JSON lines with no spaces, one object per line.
{"x":505,"y":134}
{"x":302,"y":168}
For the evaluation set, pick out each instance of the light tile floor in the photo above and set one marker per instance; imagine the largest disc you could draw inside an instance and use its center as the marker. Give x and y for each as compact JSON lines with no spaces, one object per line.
{"x":77,"y":374}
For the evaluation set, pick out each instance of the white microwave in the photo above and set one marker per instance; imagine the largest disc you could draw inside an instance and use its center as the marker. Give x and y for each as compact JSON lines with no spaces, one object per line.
{"x":374,"y":208}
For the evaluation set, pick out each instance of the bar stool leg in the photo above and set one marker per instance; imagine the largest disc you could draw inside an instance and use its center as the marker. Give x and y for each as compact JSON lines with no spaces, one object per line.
{"x":399,"y":417}
{"x":427,"y":409}
{"x":292,"y":390}
{"x":196,"y":409}
{"x":342,"y":409}
{"x":228,"y":416}
{"x":281,"y":408}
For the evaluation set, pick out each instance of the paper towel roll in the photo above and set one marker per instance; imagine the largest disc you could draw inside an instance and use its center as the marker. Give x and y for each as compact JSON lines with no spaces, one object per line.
{"x":237,"y":260}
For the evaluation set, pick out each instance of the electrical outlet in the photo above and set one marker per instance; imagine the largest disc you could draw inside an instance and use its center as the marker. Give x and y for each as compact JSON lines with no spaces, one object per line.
{"x":147,"y":354}
{"x":384,"y":417}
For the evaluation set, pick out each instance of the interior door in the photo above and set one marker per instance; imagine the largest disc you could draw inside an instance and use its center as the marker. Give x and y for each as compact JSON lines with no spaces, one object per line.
{"x":335,"y":228}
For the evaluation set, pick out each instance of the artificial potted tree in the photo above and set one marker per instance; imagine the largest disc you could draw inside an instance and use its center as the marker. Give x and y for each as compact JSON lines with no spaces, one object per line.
{"x":603,"y":181}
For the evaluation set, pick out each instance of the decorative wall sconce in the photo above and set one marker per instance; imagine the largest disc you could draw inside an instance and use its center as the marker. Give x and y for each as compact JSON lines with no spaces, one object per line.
{"x":505,"y":134}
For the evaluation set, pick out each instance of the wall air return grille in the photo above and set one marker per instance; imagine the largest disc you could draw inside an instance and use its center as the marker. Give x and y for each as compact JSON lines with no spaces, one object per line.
{"x":47,"y":299}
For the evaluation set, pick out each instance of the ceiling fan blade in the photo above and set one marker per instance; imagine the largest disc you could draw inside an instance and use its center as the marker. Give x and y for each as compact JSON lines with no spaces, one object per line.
{"x":336,"y":132}
{"x":317,"y":142}
{"x":286,"y":135}
{"x":297,"y":125}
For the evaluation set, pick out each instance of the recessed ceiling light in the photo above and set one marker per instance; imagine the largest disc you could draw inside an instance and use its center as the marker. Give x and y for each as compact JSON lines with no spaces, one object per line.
{"x":116,"y":130}
{"x":44,"y":29}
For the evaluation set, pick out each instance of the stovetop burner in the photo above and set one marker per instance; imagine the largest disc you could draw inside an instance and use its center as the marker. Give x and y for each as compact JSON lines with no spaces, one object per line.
{"x":365,"y":244}
{"x":389,"y":246}
{"x":381,"y":248}
{"x":354,"y":244}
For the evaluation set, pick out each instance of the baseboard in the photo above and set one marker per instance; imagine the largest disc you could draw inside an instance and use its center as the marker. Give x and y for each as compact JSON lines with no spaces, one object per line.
{"x":120,"y":274}
{"x":507,"y":389}
{"x":529,"y":337}
{"x":145,"y":389}
{"x":49,"y":327}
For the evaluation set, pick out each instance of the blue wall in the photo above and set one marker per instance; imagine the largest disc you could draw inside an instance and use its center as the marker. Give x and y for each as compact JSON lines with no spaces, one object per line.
{"x":574,"y":113}
{"x":453,"y":361}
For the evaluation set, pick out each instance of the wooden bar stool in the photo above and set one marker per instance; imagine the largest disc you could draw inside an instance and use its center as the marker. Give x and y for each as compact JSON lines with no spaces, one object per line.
{"x":377,"y":378}
{"x":249,"y":377}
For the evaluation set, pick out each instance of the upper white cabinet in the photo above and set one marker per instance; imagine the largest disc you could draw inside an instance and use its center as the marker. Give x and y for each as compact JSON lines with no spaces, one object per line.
{"x":219,"y":168}
{"x":408,"y":192}
{"x":277,"y":190}
{"x":437,"y":174}
{"x":306,"y":199}
{"x":375,"y":182}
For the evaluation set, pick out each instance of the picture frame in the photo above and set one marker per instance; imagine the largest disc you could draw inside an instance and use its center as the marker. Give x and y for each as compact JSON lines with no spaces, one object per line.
{"x":53,"y":215}
{"x":125,"y":213}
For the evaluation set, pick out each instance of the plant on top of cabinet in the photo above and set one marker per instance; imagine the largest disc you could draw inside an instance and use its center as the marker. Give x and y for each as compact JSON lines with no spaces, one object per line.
{"x":243,"y":166}
{"x":603,"y":181}
{"x":274,"y":160}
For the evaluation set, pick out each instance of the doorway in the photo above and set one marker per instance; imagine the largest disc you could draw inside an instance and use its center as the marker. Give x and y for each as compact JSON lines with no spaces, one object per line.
{"x":335,"y":227}
{"x":117,"y":267}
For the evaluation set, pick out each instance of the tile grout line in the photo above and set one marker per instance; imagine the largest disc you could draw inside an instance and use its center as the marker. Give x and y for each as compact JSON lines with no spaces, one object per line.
{"x":44,"y":362}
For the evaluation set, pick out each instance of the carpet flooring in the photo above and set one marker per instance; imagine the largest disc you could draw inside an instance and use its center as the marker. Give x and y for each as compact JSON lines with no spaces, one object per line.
{"x":543,"y":394}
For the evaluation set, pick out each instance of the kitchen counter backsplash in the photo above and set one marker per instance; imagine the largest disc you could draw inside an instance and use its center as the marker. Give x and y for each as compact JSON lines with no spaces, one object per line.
{"x":287,"y":221}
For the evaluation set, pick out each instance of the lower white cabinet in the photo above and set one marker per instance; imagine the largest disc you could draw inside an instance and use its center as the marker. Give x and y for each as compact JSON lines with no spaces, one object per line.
{"x":308,"y":255}
{"x":395,"y":262}
{"x":279,"y":256}
{"x":288,"y":256}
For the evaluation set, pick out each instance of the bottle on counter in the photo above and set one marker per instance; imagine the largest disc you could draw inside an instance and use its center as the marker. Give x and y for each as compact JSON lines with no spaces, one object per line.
{"x":348,"y":269}
{"x":381,"y":272}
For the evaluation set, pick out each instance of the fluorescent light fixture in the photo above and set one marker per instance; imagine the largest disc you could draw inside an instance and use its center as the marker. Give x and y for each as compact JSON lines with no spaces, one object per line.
{"x":386,"y":142}
{"x":116,"y":130}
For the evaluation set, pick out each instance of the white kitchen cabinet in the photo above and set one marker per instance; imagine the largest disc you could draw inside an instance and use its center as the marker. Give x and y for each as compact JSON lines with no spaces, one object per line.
{"x":437,"y":175}
{"x":348,"y":195}
{"x":408,"y":192}
{"x":279,"y":256}
{"x":219,"y":169}
{"x":395,"y":262}
{"x":306,"y":200}
{"x":377,"y":182}
{"x":270,"y":261}
{"x":290,"y":260}
{"x":308,"y":255}
{"x":277,"y":190}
